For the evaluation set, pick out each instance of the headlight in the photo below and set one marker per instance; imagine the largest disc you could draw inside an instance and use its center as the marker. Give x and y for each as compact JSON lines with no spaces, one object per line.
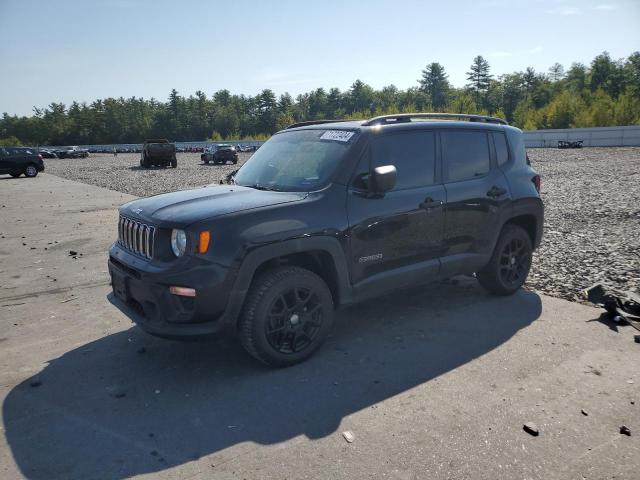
{"x":178,"y":242}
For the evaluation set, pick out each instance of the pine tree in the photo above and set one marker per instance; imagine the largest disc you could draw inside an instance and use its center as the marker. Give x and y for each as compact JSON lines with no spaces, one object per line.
{"x":435,"y":83}
{"x":556,"y":72}
{"x":479,"y":77}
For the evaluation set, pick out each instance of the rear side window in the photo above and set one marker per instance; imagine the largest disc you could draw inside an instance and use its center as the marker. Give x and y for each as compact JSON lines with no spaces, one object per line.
{"x":502,"y":150}
{"x":466,"y":154}
{"x":413,"y":155}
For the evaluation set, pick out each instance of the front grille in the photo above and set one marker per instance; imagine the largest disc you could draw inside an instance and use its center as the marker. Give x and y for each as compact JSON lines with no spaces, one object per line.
{"x":136,"y":237}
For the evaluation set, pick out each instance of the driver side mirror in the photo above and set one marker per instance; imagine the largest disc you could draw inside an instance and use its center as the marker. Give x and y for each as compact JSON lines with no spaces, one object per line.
{"x":383,"y":179}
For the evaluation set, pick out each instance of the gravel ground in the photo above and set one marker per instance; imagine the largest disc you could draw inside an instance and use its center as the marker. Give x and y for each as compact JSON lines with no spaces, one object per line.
{"x":592,"y":220}
{"x":591,"y":196}
{"x":124,"y":174}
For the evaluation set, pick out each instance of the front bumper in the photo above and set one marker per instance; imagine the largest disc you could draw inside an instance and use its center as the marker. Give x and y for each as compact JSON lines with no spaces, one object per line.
{"x":143,"y":295}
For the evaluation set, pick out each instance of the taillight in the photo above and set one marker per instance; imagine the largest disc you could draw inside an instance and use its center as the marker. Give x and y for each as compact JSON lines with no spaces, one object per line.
{"x":536,"y":182}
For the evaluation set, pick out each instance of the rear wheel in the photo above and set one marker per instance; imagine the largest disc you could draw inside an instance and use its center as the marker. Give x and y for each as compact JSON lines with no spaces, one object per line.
{"x":174,"y":162}
{"x":15,"y":174}
{"x":509,"y":265}
{"x":287,"y":315}
{"x":31,"y":171}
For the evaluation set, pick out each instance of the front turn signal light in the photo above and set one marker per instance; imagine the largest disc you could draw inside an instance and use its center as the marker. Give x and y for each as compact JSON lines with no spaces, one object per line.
{"x":203,"y":243}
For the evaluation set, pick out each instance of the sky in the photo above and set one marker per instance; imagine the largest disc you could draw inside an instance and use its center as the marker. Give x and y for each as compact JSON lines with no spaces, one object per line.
{"x":60,"y":51}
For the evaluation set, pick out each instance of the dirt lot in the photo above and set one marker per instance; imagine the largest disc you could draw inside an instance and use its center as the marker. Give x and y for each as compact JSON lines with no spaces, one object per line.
{"x":592,"y":224}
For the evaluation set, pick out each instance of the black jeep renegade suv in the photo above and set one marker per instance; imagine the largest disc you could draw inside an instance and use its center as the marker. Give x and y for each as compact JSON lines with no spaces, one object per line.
{"x":326,"y":214}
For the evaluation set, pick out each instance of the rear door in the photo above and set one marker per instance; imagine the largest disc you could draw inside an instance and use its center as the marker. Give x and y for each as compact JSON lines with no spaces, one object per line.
{"x":477,"y":196}
{"x":402,"y":229}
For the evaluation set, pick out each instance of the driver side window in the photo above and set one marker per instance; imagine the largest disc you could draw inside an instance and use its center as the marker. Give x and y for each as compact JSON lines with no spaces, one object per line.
{"x":412,"y":153}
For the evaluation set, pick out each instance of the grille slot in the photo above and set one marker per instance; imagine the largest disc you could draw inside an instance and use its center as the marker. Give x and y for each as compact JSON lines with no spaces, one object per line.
{"x":136,"y":237}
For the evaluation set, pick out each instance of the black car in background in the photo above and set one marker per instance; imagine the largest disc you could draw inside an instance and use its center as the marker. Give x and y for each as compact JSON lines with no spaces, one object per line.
{"x":72,"y":152}
{"x":220,"y":154}
{"x":47,"y":154}
{"x":16,"y":161}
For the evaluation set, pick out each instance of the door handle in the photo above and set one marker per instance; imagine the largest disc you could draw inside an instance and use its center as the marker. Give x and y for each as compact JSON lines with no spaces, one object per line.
{"x":430,"y":203}
{"x":496,"y":192}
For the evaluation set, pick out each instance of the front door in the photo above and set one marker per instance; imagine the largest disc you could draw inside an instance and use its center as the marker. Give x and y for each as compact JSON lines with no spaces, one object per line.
{"x":398,"y":236}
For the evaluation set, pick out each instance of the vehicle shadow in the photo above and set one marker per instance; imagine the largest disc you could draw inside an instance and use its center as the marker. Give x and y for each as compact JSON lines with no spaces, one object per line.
{"x":110,"y":410}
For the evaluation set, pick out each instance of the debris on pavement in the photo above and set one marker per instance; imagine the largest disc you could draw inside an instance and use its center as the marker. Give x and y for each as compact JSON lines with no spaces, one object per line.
{"x":624,"y":430}
{"x":531,"y":428}
{"x":584,"y":412}
{"x":72,"y":253}
{"x":348,"y":436}
{"x":623,"y":308}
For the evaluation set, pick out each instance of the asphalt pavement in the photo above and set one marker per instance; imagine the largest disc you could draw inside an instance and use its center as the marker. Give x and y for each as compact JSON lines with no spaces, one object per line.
{"x":431,"y":383}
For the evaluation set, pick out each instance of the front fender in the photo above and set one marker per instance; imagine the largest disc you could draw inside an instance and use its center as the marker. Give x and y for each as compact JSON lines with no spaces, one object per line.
{"x":257,"y":257}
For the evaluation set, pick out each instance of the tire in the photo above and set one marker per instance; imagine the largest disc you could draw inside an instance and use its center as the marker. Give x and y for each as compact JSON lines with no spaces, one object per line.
{"x":174,"y":163}
{"x":206,"y":162}
{"x":31,"y":171}
{"x":509,"y":265}
{"x":235,"y":161}
{"x":278,"y":299}
{"x":15,"y":174}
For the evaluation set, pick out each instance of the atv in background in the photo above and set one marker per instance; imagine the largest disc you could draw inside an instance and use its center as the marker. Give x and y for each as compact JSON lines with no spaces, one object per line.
{"x":158,"y":153}
{"x":565,"y":144}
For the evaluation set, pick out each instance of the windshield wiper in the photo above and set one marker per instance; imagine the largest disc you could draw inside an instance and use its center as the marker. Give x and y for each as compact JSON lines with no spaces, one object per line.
{"x":259,"y":186}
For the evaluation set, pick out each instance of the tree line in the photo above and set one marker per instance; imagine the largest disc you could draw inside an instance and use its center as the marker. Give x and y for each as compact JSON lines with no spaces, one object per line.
{"x":606,"y":92}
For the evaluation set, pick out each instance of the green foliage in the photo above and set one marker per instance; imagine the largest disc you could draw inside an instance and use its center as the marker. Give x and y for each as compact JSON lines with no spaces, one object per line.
{"x":605,"y":93}
{"x":10,"y":142}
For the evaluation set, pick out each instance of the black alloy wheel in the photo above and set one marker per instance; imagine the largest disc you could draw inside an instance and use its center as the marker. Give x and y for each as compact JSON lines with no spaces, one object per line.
{"x":294,"y":320}
{"x":287,"y":314}
{"x":509,"y":265}
{"x":514,"y":262}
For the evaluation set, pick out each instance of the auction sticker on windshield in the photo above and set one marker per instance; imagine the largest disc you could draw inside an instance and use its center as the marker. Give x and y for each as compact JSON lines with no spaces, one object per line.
{"x":337,"y":135}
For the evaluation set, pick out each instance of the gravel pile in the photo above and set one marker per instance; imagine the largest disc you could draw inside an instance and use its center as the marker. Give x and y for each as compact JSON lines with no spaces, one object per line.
{"x":124,"y":174}
{"x":591,"y":196}
{"x":592,"y":220}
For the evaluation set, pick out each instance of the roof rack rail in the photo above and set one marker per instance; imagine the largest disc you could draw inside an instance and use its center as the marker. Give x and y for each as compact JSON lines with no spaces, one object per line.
{"x":407,"y":117}
{"x":315,"y":122}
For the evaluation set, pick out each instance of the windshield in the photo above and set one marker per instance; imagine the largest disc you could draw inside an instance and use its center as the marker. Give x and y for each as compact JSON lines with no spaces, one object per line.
{"x":296,"y":161}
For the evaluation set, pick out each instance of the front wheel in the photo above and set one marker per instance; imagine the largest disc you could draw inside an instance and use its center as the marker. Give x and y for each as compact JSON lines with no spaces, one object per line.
{"x":509,"y":265}
{"x":286,"y":317}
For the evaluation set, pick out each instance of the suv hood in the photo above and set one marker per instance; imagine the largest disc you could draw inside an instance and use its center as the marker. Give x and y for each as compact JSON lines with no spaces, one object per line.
{"x":188,"y":206}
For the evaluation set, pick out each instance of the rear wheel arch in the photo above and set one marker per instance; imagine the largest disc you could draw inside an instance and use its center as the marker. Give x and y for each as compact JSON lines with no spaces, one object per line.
{"x":528,"y":222}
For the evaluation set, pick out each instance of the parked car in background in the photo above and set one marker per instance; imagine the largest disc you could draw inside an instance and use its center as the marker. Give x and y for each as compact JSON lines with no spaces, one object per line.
{"x":224,"y":154}
{"x":158,"y":153}
{"x":72,"y":152}
{"x":47,"y":154}
{"x":17,"y":161}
